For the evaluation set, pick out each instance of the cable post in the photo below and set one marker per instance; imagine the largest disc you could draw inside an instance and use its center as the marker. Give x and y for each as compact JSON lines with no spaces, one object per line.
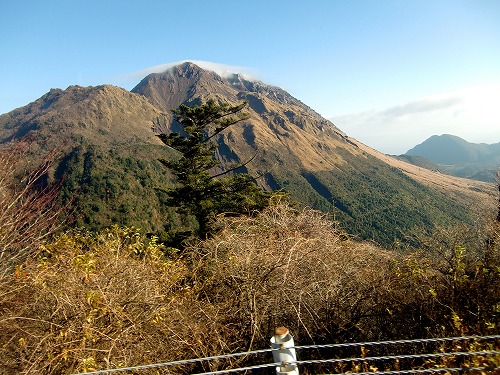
{"x":284,"y":352}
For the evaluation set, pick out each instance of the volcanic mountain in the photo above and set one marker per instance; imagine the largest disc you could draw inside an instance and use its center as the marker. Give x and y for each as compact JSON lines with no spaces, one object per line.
{"x":109,"y":155}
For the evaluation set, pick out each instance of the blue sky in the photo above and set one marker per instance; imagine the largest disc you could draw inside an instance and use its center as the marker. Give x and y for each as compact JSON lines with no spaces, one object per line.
{"x":389,"y":73}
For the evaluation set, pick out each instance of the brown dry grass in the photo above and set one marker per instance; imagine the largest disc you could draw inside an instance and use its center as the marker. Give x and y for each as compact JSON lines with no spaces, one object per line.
{"x":113,"y":299}
{"x":101,"y":301}
{"x":478,"y":195}
{"x":291,"y":268}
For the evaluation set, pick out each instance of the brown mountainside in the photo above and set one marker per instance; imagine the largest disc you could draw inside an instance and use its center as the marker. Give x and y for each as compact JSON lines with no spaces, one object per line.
{"x":279,"y":124}
{"x":107,"y":152}
{"x":103,"y":114}
{"x":302,"y":153}
{"x":110,"y":155}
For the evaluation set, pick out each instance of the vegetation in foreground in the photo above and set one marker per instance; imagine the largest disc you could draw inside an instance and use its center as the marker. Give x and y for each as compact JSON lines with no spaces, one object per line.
{"x":125,"y":300}
{"x":28,"y":209}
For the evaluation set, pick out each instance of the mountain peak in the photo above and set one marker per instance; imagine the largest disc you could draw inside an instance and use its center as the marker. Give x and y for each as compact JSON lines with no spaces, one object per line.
{"x":451,"y":149}
{"x":186,"y":70}
{"x":91,"y":112}
{"x":187,"y":66}
{"x":178,"y":84}
{"x":187,"y":81}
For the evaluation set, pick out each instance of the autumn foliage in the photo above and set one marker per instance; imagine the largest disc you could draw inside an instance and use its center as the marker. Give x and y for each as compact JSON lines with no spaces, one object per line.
{"x":92,"y":301}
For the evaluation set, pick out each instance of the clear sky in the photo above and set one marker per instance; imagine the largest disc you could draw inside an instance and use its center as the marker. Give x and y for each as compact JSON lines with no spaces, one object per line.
{"x":390,"y":73}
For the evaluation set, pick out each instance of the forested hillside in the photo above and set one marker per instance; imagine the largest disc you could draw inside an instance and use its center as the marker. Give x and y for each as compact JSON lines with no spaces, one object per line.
{"x":107,"y":160}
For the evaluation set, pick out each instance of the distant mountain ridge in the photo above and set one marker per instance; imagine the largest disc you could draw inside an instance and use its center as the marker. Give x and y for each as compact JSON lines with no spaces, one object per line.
{"x":109,"y":156}
{"x":456,"y":156}
{"x":450,"y":149}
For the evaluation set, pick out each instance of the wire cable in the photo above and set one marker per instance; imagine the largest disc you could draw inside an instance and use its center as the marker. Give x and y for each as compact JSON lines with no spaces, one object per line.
{"x":400,"y":342}
{"x":458,"y":370}
{"x":306,"y":347}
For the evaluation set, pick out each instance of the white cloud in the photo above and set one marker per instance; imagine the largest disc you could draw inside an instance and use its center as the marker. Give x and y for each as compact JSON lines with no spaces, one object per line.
{"x":420,"y":106}
{"x":470,"y":113}
{"x":222,"y":70}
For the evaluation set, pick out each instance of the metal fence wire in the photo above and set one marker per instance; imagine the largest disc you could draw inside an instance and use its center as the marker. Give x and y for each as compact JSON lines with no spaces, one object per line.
{"x":448,"y":355}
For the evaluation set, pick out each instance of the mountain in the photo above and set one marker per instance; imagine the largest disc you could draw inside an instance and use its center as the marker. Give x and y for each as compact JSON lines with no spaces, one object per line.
{"x":106,"y":152}
{"x":109,"y":156}
{"x":456,"y":156}
{"x":88,"y":112}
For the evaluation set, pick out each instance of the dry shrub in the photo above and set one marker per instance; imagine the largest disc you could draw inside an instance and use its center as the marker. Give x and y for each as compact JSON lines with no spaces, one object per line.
{"x":28,"y":212}
{"x":454,"y":279}
{"x":98,"y":301}
{"x":112,"y":299}
{"x":291,"y":268}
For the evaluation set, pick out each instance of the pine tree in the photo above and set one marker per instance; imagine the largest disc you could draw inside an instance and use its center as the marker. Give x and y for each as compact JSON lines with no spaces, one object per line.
{"x":201,"y":192}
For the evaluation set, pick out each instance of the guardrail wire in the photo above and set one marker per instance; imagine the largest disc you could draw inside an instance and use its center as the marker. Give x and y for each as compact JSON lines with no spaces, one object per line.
{"x":492,"y":367}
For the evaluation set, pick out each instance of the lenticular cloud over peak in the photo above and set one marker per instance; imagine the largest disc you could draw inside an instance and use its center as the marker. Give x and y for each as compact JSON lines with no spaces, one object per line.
{"x":222,"y":70}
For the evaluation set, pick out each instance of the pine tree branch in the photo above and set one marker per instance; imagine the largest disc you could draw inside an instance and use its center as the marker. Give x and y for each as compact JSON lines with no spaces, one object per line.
{"x":237,"y":167}
{"x":219,"y":129}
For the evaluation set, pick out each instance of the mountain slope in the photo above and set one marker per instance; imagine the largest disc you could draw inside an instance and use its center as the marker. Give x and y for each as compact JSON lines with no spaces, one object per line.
{"x":109,"y":156}
{"x":107,"y":152}
{"x":475,"y":195}
{"x":309,"y":157}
